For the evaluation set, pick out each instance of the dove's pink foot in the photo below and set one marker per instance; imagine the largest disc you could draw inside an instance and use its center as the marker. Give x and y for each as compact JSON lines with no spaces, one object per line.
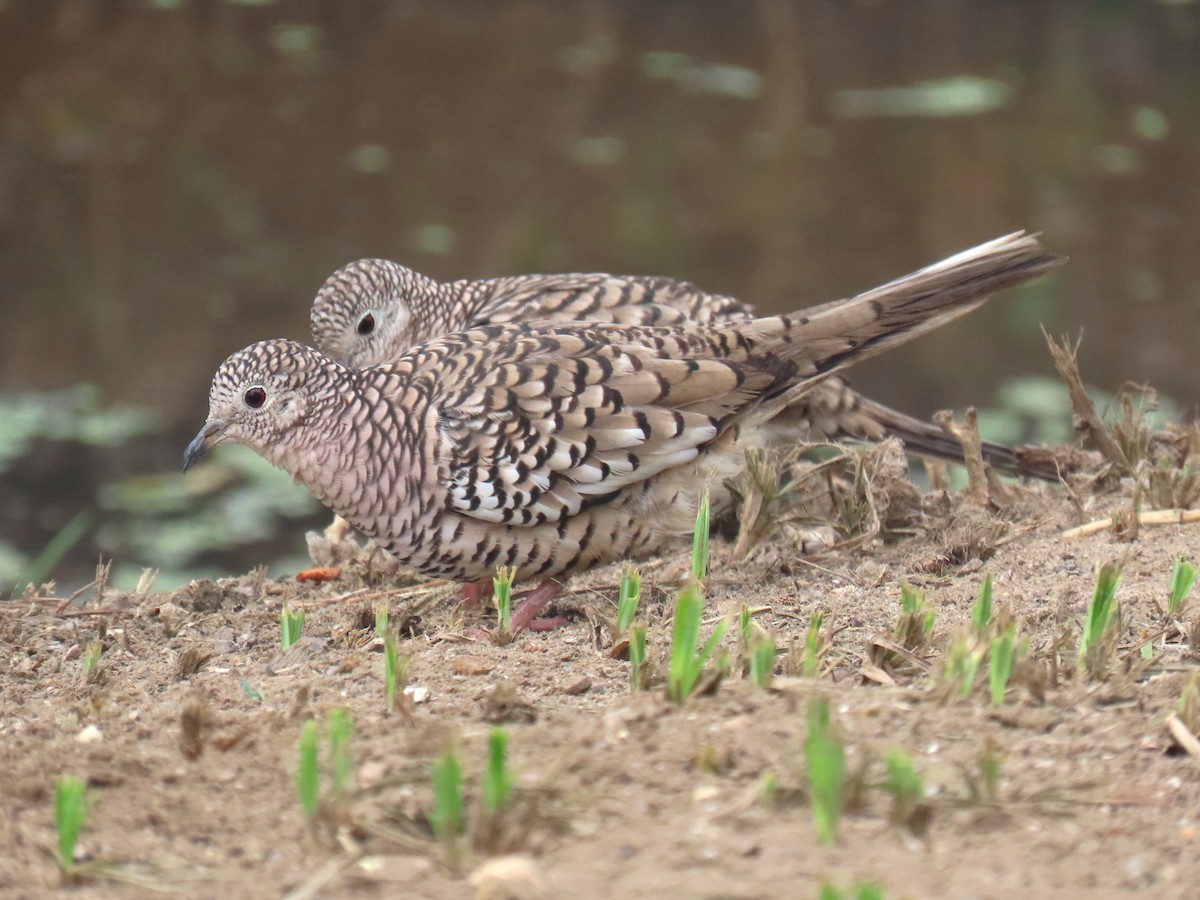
{"x":526,"y":614}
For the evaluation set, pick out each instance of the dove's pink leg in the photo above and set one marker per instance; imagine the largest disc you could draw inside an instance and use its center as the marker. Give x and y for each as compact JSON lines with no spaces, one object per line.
{"x":525,"y":615}
{"x":473,"y":592}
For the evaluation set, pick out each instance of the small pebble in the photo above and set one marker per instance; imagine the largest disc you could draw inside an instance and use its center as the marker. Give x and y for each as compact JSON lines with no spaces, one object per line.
{"x":90,"y":735}
{"x":223,"y":642}
{"x":582,"y":686}
{"x":470,"y":665}
{"x":417,"y":693}
{"x":508,"y":877}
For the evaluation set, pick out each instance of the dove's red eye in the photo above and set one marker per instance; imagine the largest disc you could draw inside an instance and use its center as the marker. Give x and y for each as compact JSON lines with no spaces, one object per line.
{"x":255,"y":397}
{"x":366,"y":324}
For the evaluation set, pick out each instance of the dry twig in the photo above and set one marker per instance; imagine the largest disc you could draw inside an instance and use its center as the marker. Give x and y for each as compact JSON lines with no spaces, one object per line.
{"x":1086,"y":418}
{"x":1153,"y":517}
{"x":967,"y":435}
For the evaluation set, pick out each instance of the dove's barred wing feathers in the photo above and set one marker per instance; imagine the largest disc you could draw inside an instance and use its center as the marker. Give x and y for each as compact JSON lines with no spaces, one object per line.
{"x":372,"y":311}
{"x":538,"y":423}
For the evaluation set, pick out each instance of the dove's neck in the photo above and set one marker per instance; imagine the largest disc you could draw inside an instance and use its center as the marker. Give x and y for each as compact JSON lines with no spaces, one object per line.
{"x":471,"y":300}
{"x":438,"y":307}
{"x":355,"y":450}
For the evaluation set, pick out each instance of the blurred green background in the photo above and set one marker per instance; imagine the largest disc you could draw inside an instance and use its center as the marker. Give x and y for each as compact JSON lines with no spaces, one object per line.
{"x":177,"y":178}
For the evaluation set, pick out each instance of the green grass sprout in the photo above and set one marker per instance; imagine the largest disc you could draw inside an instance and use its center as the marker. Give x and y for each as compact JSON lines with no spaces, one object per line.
{"x":341,"y":729}
{"x":307,"y":776}
{"x":915,"y":623}
{"x":1002,"y":655}
{"x":381,"y":620}
{"x":628,"y":596}
{"x":1098,"y":639}
{"x":637,"y":656}
{"x":1102,"y":607}
{"x":497,"y":780}
{"x":904,"y":784}
{"x":810,"y":665}
{"x":762,"y":660}
{"x":688,"y":658}
{"x":502,"y":596}
{"x":981,"y":612}
{"x":291,"y":626}
{"x":960,"y":664}
{"x":745,"y":627}
{"x":70,"y":811}
{"x":395,"y":673}
{"x":826,"y":759}
{"x":91,"y":658}
{"x":446,"y":816}
{"x":769,"y":788}
{"x":700,"y":539}
{"x":989,"y":772}
{"x":757,"y":647}
{"x":1183,"y":573}
{"x":861,"y":891}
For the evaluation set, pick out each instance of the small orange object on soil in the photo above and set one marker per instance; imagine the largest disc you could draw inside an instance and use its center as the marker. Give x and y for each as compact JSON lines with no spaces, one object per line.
{"x":319,"y":574}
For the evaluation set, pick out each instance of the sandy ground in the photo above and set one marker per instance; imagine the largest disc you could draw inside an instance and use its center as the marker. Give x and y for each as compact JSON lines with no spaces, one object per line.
{"x":187,"y":731}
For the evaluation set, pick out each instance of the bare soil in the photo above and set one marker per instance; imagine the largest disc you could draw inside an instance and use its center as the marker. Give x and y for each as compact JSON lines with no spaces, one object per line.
{"x":619,"y":793}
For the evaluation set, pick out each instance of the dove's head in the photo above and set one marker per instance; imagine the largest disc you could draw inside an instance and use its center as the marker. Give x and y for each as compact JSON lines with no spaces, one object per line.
{"x":264,"y":397}
{"x":369,"y":312}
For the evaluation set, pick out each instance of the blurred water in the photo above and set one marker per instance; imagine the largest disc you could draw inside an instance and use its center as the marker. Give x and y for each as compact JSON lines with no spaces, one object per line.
{"x":177,"y":177}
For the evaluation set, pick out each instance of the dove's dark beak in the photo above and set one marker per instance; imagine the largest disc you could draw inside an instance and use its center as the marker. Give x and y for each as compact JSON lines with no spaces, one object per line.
{"x":209,"y":435}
